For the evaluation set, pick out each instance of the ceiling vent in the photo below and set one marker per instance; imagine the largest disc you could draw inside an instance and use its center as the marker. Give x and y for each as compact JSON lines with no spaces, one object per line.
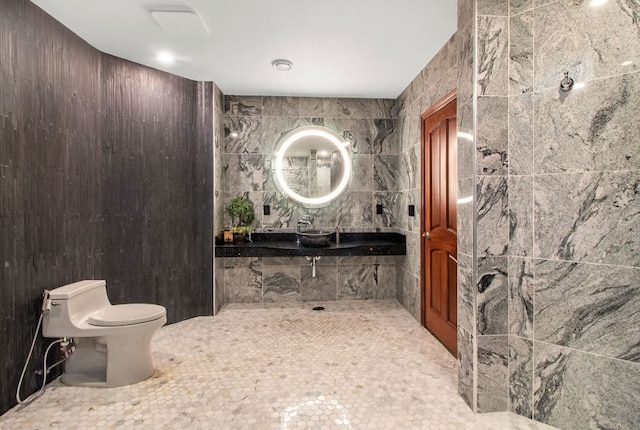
{"x":180,"y":23}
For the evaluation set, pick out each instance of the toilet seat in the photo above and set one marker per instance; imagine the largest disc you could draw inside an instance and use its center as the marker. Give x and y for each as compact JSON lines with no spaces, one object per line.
{"x":129,"y":314}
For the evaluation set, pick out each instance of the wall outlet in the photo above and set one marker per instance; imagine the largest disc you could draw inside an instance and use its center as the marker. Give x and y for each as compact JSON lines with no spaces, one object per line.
{"x":379,"y":209}
{"x":266,"y":210}
{"x":412,"y":210}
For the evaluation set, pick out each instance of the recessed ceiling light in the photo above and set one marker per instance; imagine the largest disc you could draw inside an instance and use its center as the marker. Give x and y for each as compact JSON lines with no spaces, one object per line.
{"x":166,"y":58}
{"x":282,"y":65}
{"x":596,"y":3}
{"x":626,"y":63}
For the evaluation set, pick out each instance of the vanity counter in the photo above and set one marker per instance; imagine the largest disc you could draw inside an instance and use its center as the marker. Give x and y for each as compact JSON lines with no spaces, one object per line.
{"x":286,"y":245}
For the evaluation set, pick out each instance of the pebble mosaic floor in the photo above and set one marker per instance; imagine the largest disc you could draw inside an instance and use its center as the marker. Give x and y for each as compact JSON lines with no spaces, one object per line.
{"x":355,"y":365}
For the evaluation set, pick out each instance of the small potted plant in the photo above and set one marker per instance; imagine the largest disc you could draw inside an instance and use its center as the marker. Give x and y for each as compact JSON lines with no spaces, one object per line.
{"x":242,"y":215}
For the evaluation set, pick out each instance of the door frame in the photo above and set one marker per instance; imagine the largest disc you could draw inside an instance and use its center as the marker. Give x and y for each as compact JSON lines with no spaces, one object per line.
{"x":423,"y":182}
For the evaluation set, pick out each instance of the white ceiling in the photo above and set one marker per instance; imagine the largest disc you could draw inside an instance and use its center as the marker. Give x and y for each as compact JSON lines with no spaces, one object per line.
{"x":339,"y":48}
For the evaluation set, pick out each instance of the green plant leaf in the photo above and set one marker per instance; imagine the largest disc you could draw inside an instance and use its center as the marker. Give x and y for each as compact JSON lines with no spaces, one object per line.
{"x":241,"y":211}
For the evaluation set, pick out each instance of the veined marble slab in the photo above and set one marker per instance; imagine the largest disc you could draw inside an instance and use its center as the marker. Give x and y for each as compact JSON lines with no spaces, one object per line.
{"x":594,"y":128}
{"x":589,"y":307}
{"x":492,"y":294}
{"x":590,"y":42}
{"x":521,"y":376}
{"x":589,"y":217}
{"x":493,"y":66}
{"x":521,"y":297}
{"x":576,"y":390}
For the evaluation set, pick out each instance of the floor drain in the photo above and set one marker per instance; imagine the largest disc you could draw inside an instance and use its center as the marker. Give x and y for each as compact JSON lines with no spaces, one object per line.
{"x":318,"y":308}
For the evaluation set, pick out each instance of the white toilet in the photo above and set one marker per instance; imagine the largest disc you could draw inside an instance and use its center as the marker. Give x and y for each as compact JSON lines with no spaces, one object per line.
{"x":113,"y":342}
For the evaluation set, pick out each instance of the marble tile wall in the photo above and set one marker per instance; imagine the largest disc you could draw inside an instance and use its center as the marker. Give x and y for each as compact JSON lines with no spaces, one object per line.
{"x":436,"y":80}
{"x":260,"y":122}
{"x":548,"y":280}
{"x":450,"y":69}
{"x":574,"y":211}
{"x":491,"y":211}
{"x":252,"y":127}
{"x":286,"y":279}
{"x":466,"y":123}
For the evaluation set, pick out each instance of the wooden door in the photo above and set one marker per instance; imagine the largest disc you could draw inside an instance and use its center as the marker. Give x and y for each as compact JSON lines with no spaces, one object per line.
{"x":439,"y":225}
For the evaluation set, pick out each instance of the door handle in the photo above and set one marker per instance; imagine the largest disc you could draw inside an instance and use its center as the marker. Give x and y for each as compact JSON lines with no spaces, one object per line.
{"x":426,"y":235}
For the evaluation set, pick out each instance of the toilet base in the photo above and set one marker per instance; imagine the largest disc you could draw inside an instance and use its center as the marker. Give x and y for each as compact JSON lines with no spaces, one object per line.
{"x":111,"y":361}
{"x":78,"y":380}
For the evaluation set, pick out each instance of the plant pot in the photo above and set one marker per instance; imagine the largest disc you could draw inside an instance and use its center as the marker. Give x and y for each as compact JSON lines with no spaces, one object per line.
{"x":239,"y":237}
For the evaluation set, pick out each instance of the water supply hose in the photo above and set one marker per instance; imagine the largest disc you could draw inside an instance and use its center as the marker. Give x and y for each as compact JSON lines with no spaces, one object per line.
{"x":24,"y":369}
{"x":45,"y":370}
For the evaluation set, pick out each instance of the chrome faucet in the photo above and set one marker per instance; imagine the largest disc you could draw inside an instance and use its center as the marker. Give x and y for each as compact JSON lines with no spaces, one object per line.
{"x":305,"y":222}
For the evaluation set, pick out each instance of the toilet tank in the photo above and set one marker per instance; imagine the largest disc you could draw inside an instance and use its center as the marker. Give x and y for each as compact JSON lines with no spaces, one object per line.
{"x":71,"y":304}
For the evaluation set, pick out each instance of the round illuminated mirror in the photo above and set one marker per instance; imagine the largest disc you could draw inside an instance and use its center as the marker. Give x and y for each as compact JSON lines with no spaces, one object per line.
{"x":312,"y":166}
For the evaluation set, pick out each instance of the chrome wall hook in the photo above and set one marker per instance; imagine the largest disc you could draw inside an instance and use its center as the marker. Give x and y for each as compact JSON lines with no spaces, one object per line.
{"x":567,"y":83}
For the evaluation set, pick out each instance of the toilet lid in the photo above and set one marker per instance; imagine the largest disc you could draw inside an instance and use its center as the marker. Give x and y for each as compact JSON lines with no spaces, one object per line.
{"x":134,"y":313}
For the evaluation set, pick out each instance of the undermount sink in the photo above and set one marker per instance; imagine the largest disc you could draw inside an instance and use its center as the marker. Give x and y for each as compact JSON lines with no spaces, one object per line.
{"x":314,"y":238}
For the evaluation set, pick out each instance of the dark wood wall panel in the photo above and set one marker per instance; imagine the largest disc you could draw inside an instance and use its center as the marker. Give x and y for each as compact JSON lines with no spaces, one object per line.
{"x":104,"y":169}
{"x":203,"y":198}
{"x":155,"y":197}
{"x":50,"y":163}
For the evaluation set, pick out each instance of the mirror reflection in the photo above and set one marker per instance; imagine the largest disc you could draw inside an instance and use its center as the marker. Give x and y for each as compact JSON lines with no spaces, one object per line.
{"x":312,"y":166}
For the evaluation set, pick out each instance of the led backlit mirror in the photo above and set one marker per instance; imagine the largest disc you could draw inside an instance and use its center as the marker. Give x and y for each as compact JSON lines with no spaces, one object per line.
{"x":312,"y":166}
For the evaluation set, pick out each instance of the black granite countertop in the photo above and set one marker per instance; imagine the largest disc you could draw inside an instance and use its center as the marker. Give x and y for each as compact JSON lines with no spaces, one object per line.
{"x":286,"y":245}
